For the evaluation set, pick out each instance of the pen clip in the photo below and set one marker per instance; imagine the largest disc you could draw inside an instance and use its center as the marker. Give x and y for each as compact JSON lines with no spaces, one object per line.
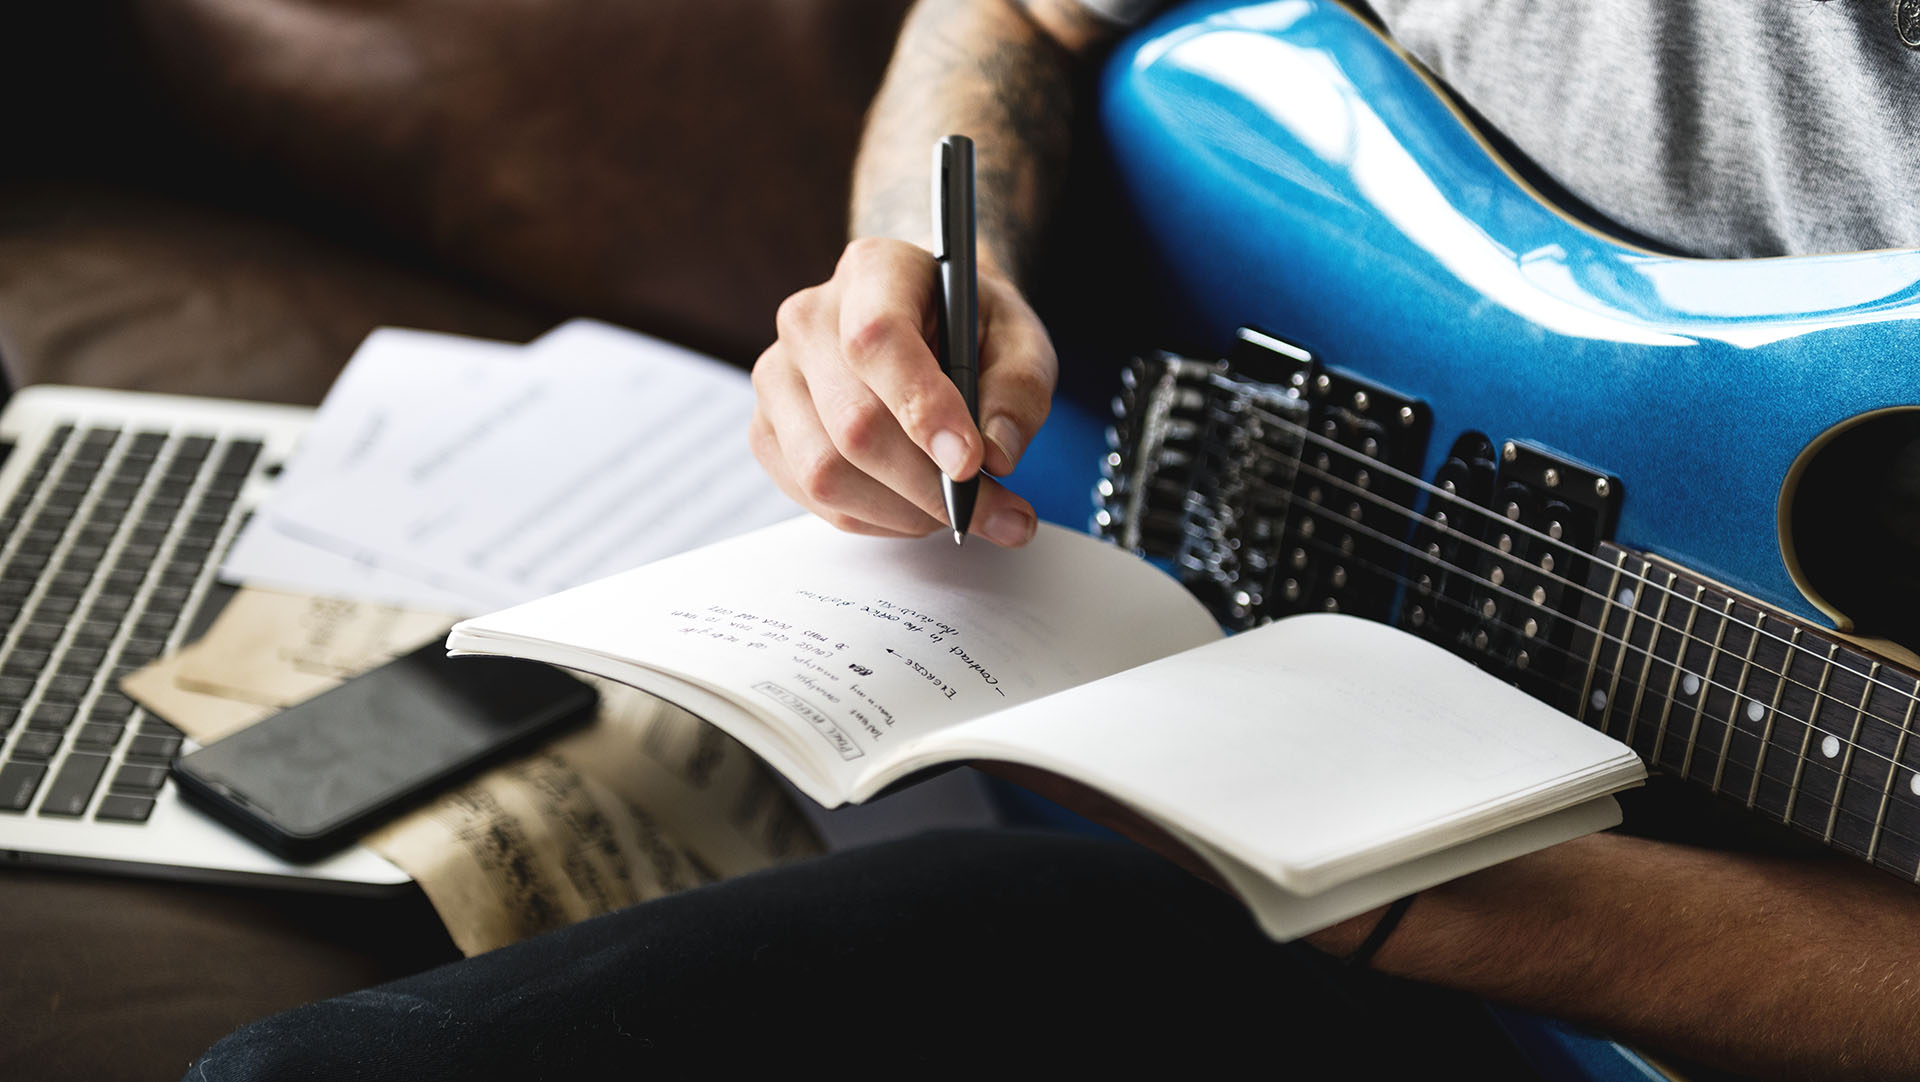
{"x":952,"y":196}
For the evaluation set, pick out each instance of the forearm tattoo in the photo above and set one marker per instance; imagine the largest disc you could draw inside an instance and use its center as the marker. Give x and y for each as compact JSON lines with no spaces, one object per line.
{"x":986,"y":69}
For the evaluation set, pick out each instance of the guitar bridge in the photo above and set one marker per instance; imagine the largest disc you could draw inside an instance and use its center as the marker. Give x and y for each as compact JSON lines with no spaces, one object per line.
{"x":1272,"y":483}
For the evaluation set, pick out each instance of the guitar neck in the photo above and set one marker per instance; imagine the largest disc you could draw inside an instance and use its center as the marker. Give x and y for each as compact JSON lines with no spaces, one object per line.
{"x":1754,"y":704}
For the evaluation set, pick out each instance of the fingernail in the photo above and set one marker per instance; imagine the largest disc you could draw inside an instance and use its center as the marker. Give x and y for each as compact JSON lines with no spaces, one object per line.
{"x":1009,"y":528}
{"x":950,"y":452}
{"x":1005,"y":436}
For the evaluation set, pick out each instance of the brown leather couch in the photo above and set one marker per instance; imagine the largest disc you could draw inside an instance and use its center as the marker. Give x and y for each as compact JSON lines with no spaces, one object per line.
{"x":223,"y":197}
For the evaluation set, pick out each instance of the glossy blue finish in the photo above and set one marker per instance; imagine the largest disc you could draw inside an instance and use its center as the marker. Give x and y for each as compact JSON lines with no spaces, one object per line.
{"x":1289,"y":169}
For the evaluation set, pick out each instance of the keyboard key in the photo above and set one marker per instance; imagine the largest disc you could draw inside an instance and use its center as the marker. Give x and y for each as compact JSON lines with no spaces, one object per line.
{"x":239,"y":458}
{"x":167,"y":599}
{"x":52,"y":610}
{"x":25,"y":661}
{"x":139,"y":778}
{"x":154,"y":746}
{"x":97,"y":736}
{"x":41,"y":634}
{"x":124,"y":808}
{"x":96,"y":632}
{"x":111,"y":706}
{"x":15,"y":689}
{"x":83,"y":659}
{"x":52,"y":717}
{"x":98,"y":438}
{"x":18,"y":783}
{"x":109,"y":608}
{"x":73,"y":786}
{"x":66,"y":689}
{"x":36,"y":747}
{"x":141,"y":651}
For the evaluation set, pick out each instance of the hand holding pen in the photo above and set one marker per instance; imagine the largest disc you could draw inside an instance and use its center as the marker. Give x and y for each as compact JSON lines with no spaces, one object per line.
{"x":856,"y":420}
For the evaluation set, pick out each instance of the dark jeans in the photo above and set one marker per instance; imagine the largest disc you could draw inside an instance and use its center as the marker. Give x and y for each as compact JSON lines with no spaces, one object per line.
{"x":960,"y":951}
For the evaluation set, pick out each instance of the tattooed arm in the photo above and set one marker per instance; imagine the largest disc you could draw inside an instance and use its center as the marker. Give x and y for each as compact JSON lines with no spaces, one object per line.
{"x":853,"y":411}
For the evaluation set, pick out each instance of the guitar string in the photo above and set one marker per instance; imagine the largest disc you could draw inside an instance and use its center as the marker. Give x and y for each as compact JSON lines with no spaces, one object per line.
{"x":1463,"y":503}
{"x":1543,"y":538}
{"x":1286,"y":499}
{"x":1663,"y":737}
{"x":1887,"y":790}
{"x":1658,"y":620}
{"x":1790,"y":648}
{"x":1623,"y":643}
{"x":1603,"y":635}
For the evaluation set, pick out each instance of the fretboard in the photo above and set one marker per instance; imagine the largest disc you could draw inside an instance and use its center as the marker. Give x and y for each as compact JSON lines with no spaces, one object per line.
{"x":1761,"y":707}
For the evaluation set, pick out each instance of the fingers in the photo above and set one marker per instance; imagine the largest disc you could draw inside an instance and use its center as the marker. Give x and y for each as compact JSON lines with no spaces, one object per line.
{"x":884,"y":330}
{"x":792,"y":443}
{"x":853,"y":411}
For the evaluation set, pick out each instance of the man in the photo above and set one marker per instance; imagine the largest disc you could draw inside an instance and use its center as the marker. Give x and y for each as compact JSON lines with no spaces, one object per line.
{"x":1791,"y":968}
{"x":965,"y":953}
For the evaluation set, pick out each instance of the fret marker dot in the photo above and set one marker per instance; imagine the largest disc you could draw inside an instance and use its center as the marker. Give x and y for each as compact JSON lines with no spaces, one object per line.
{"x":1599,"y":700}
{"x":1755,"y":711}
{"x":1913,"y":783}
{"x":1689,"y":684}
{"x":1830,"y":746}
{"x":1626,"y":597}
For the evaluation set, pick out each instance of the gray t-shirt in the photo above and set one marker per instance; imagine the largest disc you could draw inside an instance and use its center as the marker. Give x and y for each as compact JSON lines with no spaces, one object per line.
{"x":1730,"y":128}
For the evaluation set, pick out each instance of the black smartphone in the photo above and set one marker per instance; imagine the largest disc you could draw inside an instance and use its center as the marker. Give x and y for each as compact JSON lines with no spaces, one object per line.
{"x":314,"y":777}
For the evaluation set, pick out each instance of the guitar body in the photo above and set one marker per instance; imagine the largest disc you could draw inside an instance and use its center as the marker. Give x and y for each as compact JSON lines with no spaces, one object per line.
{"x":1290,"y":169}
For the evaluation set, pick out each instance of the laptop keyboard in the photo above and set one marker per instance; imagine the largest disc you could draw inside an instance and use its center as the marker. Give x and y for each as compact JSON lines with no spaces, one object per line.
{"x":105,"y":550}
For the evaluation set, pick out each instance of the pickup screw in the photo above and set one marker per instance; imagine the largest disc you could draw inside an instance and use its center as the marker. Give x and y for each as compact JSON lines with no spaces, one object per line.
{"x":1509,"y":451}
{"x":1601,"y":487}
{"x":1406,"y":416}
{"x":1552,"y":477}
{"x":1361,"y":401}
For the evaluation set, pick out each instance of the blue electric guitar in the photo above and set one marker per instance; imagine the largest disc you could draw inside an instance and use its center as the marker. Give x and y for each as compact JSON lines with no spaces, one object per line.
{"x":1678,"y":498}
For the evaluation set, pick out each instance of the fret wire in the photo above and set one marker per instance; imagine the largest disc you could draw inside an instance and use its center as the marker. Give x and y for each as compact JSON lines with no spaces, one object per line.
{"x":1806,"y":737}
{"x":1673,"y":680}
{"x":1602,"y":636}
{"x":1435,"y":491}
{"x":1893,"y":774}
{"x":1600,"y":630}
{"x":1706,"y":682}
{"x":1773,"y":711}
{"x":1493,"y":551}
{"x":1846,"y":760}
{"x":1646,"y":663}
{"x":1619,"y":662}
{"x":1739,"y":691}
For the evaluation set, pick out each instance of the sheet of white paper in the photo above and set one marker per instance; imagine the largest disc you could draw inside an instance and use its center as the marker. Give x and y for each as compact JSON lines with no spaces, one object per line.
{"x":601,"y":449}
{"x":389,"y":378}
{"x":436,"y":476}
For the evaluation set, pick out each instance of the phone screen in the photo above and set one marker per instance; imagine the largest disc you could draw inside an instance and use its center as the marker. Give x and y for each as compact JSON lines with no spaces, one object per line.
{"x":314,"y":777}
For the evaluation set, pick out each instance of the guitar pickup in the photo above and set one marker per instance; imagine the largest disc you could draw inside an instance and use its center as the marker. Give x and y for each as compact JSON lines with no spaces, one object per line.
{"x":1502,"y":554}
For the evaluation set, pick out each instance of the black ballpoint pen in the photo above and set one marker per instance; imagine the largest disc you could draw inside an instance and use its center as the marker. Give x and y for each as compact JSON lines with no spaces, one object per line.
{"x":959,"y":304}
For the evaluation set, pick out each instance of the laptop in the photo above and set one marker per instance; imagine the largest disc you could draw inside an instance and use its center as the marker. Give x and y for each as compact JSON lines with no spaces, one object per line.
{"x":115,"y":508}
